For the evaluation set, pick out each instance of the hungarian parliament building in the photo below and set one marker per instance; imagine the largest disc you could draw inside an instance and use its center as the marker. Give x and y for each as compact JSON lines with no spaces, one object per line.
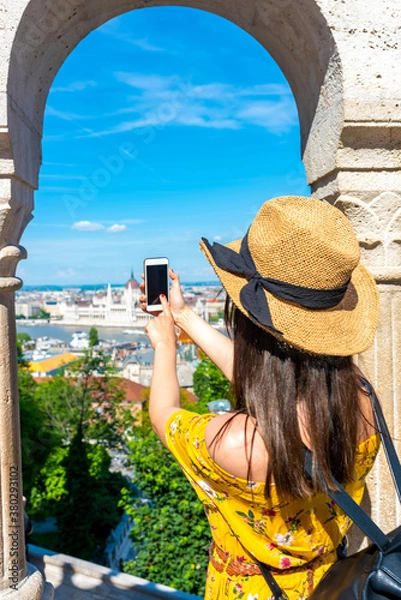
{"x":112,"y":309}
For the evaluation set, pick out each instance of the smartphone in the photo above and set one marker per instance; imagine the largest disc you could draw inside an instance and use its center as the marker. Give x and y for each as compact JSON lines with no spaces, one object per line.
{"x":156,"y":282}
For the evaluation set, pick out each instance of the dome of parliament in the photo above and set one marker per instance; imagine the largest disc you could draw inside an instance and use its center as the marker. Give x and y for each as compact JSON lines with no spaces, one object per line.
{"x":132,"y":283}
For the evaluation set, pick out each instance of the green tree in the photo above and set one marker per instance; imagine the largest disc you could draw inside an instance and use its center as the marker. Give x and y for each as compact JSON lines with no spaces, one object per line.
{"x":209,"y":384}
{"x":43,"y":314}
{"x":93,"y":337}
{"x":76,"y":486}
{"x":22,"y":338}
{"x":107,"y":487}
{"x":168,"y":519}
{"x":89,"y":509}
{"x":64,"y":475}
{"x":75,"y":508}
{"x":143,"y":426}
{"x":49,"y":486}
{"x":37,"y":439}
{"x":89,"y":397}
{"x":59,"y":398}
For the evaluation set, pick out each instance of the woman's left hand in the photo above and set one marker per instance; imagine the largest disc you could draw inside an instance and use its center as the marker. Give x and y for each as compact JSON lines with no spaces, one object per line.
{"x":161,"y":329}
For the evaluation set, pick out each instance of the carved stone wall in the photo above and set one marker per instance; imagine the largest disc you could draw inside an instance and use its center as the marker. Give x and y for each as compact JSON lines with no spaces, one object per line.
{"x":377,"y":223}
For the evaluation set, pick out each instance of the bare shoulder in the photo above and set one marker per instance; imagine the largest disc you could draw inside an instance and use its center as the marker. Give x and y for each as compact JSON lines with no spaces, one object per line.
{"x":234,"y":443}
{"x":229,"y":422}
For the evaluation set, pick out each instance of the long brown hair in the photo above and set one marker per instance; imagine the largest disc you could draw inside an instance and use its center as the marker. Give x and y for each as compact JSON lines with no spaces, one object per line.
{"x":270,"y":379}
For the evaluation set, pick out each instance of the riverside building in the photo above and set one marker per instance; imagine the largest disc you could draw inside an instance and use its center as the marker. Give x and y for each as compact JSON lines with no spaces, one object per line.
{"x":107,"y":310}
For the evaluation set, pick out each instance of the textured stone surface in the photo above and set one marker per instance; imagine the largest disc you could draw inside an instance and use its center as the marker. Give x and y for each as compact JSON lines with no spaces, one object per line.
{"x":378,"y":227}
{"x":29,"y":588}
{"x":75,"y":579}
{"x":342,"y":62}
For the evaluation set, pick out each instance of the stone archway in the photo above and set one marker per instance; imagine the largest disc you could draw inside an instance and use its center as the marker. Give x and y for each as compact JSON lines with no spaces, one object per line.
{"x":346,"y":93}
{"x":296,"y":36}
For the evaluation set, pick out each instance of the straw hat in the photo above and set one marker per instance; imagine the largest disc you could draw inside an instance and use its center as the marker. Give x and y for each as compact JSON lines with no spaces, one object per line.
{"x":297,"y":274}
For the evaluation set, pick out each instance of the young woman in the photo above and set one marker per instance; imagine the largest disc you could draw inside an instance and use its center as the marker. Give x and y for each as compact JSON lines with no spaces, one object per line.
{"x":299,"y":305}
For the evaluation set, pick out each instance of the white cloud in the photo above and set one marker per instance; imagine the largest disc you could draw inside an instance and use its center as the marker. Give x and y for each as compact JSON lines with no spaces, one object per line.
{"x":117,"y":228}
{"x":93,"y":226}
{"x":87,"y":226}
{"x":60,"y":164}
{"x":207,"y":121}
{"x":67,"y":116}
{"x":61,"y":177}
{"x":144,"y":44}
{"x":208,"y":91}
{"x":58,"y":188}
{"x":277,"y":117}
{"x":217,"y":238}
{"x":266,"y":89}
{"x":76,"y":86}
{"x":151,"y":83}
{"x":161,"y":101}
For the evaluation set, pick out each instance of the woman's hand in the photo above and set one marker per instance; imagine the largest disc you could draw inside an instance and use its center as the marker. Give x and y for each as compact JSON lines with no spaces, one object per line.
{"x":177,"y":302}
{"x":161,"y":330}
{"x":217,"y":346}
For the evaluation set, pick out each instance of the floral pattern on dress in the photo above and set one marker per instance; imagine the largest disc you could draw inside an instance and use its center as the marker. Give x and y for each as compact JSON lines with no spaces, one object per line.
{"x":281,"y":533}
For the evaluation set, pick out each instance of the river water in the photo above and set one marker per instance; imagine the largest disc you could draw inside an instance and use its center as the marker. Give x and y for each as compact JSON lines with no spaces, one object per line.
{"x":64,"y":332}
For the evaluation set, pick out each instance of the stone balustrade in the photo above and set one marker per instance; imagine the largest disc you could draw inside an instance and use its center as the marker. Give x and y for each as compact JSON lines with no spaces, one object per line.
{"x":76,"y":579}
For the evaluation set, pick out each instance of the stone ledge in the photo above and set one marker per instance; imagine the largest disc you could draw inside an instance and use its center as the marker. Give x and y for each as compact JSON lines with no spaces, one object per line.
{"x":386,"y":274}
{"x":76,"y":579}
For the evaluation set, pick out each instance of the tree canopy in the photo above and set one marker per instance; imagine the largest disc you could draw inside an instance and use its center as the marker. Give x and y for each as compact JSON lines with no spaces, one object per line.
{"x":209,"y":384}
{"x":93,"y":337}
{"x":65,"y":476}
{"x":90,"y":397}
{"x":168,"y":519}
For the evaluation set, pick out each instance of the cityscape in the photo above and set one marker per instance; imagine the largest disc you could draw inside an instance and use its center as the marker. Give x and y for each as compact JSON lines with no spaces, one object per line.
{"x":58,"y":323}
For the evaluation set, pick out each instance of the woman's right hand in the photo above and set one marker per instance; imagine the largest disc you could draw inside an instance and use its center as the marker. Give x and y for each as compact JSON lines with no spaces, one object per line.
{"x":176,"y":301}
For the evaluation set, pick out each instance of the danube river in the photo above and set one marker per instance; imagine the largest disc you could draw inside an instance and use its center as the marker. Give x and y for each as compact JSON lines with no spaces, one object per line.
{"x":64,"y":332}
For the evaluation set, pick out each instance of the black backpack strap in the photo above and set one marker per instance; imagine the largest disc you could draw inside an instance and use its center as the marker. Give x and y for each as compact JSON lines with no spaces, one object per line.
{"x":344,"y":500}
{"x":352,"y":509}
{"x":276,"y":590}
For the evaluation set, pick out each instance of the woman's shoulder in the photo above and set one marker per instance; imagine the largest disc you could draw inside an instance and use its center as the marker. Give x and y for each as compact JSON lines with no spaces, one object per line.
{"x":234,"y":444}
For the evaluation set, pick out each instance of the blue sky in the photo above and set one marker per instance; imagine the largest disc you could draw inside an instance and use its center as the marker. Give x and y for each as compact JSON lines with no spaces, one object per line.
{"x":162,"y":126}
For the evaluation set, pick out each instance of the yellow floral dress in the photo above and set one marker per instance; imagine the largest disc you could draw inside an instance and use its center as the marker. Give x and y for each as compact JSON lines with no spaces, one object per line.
{"x":296,"y":538}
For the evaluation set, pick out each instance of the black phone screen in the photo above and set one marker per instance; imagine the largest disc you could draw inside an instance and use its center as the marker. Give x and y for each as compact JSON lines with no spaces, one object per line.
{"x":156,"y":283}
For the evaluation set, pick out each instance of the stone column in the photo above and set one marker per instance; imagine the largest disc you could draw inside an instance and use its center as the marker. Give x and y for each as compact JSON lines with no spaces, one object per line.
{"x":17,"y":579}
{"x":376,"y":218}
{"x":377,"y":222}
